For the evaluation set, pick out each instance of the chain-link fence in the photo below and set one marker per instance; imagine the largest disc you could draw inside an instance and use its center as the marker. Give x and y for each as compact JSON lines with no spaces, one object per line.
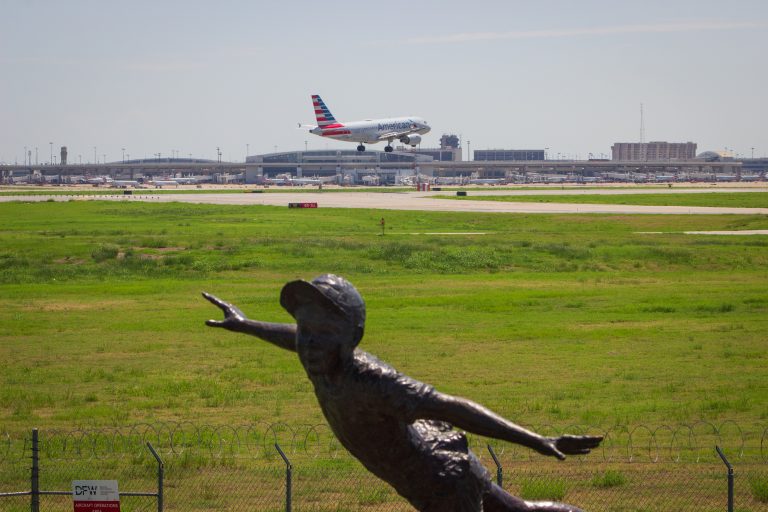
{"x":639,"y":468}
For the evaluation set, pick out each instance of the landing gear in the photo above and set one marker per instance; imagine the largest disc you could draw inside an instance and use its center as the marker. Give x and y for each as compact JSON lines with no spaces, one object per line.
{"x":388,"y":149}
{"x":361,"y":148}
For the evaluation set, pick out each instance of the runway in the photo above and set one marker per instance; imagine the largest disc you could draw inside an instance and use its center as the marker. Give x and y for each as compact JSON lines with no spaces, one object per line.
{"x":415,"y":201}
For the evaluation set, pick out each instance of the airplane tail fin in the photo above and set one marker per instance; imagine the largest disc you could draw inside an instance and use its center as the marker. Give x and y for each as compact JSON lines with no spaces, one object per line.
{"x":324,"y":116}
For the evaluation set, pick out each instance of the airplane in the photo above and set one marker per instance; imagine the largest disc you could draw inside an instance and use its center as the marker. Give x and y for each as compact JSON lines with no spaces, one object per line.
{"x":407,"y":130}
{"x":287,"y":179}
{"x":190,"y":180}
{"x":124,"y":184}
{"x":486,"y":181}
{"x":99,"y":180}
{"x":475,"y":179}
{"x":314,"y":181}
{"x":162,"y":183}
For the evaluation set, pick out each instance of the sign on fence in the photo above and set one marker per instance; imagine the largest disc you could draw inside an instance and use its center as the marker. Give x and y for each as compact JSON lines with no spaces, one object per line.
{"x":96,"y":496}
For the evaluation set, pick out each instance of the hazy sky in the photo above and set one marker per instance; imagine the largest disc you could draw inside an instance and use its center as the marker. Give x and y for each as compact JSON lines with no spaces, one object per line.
{"x":188,"y":76}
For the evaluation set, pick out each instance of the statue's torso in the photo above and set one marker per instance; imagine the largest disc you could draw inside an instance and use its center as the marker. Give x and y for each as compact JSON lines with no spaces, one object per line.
{"x":373,"y":410}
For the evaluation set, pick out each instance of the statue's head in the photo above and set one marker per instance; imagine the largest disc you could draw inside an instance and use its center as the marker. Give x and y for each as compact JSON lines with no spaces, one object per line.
{"x":330,"y":316}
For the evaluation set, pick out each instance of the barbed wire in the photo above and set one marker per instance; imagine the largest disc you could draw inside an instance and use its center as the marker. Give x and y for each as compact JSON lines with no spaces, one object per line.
{"x":692,"y":442}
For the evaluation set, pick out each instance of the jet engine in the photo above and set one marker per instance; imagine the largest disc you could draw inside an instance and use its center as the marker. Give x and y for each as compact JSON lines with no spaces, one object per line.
{"x":411,"y":140}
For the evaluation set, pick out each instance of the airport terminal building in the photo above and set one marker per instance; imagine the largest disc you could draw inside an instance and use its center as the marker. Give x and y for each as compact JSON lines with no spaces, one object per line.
{"x":508,"y":155}
{"x":632,"y":162}
{"x":653,"y":151}
{"x":351,"y":165}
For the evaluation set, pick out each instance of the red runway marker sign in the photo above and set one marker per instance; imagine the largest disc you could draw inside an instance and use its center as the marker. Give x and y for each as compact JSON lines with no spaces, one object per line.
{"x":302,"y":205}
{"x":96,"y":496}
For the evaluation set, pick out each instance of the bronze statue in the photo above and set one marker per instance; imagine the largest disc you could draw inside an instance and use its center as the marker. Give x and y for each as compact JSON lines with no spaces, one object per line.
{"x":399,"y":428}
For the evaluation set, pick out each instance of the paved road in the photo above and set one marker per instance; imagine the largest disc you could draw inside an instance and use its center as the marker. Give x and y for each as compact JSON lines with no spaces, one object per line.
{"x":409,"y":201}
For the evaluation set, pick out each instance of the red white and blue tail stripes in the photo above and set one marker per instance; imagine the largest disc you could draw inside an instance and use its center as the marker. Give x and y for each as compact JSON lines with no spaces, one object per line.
{"x":325,"y":120}
{"x":324,"y":116}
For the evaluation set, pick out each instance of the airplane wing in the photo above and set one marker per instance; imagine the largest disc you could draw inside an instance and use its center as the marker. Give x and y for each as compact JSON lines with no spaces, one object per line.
{"x":393,"y":135}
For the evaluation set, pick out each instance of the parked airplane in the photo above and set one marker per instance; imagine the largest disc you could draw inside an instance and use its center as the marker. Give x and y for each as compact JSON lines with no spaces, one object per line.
{"x":190,"y":180}
{"x":486,"y":181}
{"x":99,"y":180}
{"x":287,"y":179}
{"x":314,"y":181}
{"x":407,"y":130}
{"x":124,"y":184}
{"x":163,"y":183}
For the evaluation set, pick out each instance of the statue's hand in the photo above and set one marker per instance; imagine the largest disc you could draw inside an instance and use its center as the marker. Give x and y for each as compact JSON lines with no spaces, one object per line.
{"x":233,"y":317}
{"x":570,"y":445}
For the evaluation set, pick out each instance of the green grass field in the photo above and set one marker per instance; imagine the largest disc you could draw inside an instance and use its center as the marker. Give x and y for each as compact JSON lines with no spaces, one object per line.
{"x":722,"y":199}
{"x":556,"y":319}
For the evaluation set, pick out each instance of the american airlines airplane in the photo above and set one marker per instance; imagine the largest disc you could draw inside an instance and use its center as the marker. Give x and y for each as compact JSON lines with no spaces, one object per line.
{"x":407,"y":130}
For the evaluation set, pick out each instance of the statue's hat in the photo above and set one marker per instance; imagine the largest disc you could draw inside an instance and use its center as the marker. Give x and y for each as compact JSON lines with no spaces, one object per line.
{"x":329,"y":291}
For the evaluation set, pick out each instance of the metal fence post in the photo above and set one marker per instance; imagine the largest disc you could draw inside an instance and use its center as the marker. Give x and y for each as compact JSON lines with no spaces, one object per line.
{"x":730,"y":478}
{"x":35,"y":476}
{"x":160,"y":477}
{"x":499,"y":470}
{"x":288,"y":475}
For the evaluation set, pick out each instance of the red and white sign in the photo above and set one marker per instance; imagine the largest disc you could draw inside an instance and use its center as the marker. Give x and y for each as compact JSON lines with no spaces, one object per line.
{"x":96,"y":496}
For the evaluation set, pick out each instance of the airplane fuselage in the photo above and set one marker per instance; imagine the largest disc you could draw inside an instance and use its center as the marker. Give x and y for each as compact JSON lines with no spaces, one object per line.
{"x":373,"y":130}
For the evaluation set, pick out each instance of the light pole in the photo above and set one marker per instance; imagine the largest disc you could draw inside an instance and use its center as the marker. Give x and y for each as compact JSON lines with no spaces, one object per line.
{"x":469,"y":152}
{"x":51,"y":160}
{"x":95,"y":158}
{"x":80,"y":159}
{"x":218,"y":154}
{"x":305,"y":146}
{"x":103,"y":158}
{"x":753,"y":153}
{"x":247,"y":150}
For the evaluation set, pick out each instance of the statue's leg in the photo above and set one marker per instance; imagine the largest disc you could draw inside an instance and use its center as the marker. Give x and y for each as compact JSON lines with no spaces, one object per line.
{"x":499,"y":500}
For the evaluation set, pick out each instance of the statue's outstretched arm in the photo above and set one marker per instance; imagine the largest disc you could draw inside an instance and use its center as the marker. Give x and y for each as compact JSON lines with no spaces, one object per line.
{"x":282,"y":335}
{"x":475,"y":418}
